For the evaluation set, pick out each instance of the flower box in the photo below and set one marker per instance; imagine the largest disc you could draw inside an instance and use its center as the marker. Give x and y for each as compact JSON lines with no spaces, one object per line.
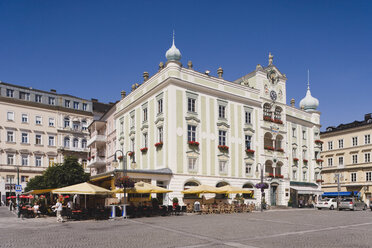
{"x":159,"y":144}
{"x":268,"y":118}
{"x":271,"y":175}
{"x":295,"y":159}
{"x":249,"y":151}
{"x":280,"y":149}
{"x":318,"y":141}
{"x":319,"y":160}
{"x":305,"y":160}
{"x":144,"y":149}
{"x":269,"y":148}
{"x":193,"y":143}
{"x":224,"y":148}
{"x":279,"y":176}
{"x":120,"y":157}
{"x":89,"y":158}
{"x":319,"y":180}
{"x":278,"y":121}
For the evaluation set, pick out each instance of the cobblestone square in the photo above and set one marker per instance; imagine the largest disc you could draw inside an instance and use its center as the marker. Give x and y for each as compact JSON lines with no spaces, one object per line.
{"x":274,"y":228}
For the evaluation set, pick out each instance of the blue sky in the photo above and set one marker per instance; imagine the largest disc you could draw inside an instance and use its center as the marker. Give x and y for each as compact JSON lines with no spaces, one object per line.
{"x":95,"y":49}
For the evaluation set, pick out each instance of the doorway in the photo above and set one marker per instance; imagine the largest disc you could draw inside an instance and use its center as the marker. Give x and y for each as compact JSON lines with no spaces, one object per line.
{"x":273,"y":193}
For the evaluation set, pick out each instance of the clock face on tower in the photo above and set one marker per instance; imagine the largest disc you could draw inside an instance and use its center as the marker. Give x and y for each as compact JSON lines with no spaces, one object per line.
{"x":273,"y":95}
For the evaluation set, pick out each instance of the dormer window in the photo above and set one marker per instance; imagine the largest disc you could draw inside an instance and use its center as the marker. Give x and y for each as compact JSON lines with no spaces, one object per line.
{"x":9,"y":93}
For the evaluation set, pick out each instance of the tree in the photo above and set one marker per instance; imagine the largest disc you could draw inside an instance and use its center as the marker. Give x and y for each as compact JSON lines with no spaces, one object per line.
{"x":59,"y":175}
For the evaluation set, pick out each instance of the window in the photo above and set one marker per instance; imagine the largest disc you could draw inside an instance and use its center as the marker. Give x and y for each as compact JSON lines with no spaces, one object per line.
{"x":37,"y":98}
{"x":52,"y":101}
{"x":248,"y":117}
{"x":303,"y":134}
{"x":24,"y":138}
{"x":330,"y":145}
{"x":355,"y":159}
{"x":145,"y":140}
{"x":294,"y":152}
{"x":67,"y":103}
{"x":353,"y":177}
{"x":132,"y":121}
{"x":248,"y":169}
{"x":51,"y":122}
{"x":24,"y":160}
{"x":38,"y":120}
{"x":38,"y":139}
{"x":9,"y":179}
{"x":38,"y":161}
{"x":52,"y":161}
{"x":355,"y":141}
{"x":293,"y":132}
{"x":341,"y":143}
{"x":160,"y":134}
{"x":84,"y":143}
{"x":367,"y":139}
{"x":294,"y":174}
{"x":223,"y":166}
{"x":75,"y":143}
{"x":10,"y":116}
{"x":144,"y":114}
{"x":24,"y":118}
{"x":191,"y":104}
{"x":160,"y":106}
{"x":67,"y":122}
{"x":10,"y":159}
{"x":330,"y":161}
{"x":75,"y":125}
{"x":192,"y":164}
{"x":304,"y":176}
{"x":191,"y":133}
{"x":76,"y":105}
{"x":51,"y":140}
{"x":221,"y":138}
{"x":24,"y":179}
{"x":9,"y":93}
{"x":368,"y":176}
{"x":84,"y":125}
{"x":221,"y":111}
{"x":10,"y":136}
{"x":85,"y":106}
{"x":340,"y":160}
{"x":266,"y":111}
{"x":24,"y":96}
{"x":248,"y":140}
{"x":66,"y":142}
{"x":367,"y":157}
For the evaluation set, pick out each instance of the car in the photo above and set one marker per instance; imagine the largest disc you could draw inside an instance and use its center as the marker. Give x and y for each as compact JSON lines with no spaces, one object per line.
{"x":352,"y":204}
{"x":330,"y":203}
{"x":370,"y":204}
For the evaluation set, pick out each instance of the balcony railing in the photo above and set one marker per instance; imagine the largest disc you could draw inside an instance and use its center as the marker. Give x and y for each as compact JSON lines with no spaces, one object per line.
{"x":98,"y":161}
{"x":98,"y":139}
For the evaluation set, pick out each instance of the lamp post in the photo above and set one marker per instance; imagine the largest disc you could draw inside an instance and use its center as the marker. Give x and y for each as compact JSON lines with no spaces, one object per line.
{"x":18,"y":209}
{"x":262,"y":182}
{"x":338,"y":177}
{"x":125,"y":174}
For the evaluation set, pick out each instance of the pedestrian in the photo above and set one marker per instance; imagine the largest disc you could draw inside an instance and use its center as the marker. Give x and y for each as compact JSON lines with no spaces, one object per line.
{"x":58,"y":209}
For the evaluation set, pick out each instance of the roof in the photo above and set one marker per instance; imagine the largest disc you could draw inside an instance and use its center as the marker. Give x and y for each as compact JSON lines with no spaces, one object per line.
{"x":367,"y":121}
{"x":294,"y":183}
{"x":101,"y":107}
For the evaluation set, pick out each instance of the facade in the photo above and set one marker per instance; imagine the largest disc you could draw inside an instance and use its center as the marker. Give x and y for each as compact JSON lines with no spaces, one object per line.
{"x":347,"y":153}
{"x":37,"y":129}
{"x":184,"y":128}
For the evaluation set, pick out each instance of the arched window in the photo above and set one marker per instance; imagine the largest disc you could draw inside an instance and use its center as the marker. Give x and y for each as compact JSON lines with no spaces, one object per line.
{"x":269,"y":168}
{"x":266,"y":111}
{"x":67,"y":122}
{"x":278,"y":169}
{"x":278,"y":114}
{"x":278,"y":143}
{"x":84,"y":143}
{"x":268,"y":141}
{"x":84,"y":125}
{"x":249,"y":187}
{"x":189,"y":185}
{"x":76,"y":143}
{"x":221,"y":196}
{"x":67,"y":142}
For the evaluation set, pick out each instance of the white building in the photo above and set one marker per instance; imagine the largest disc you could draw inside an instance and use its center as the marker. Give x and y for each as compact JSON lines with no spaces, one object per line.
{"x":187,"y":128}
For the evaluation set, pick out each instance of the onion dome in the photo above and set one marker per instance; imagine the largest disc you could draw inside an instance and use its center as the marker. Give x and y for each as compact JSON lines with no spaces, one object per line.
{"x":309,"y":102}
{"x":173,"y":53}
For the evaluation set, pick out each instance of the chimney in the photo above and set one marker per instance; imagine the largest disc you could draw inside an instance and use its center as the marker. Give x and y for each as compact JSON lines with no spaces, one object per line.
{"x":368,"y":116}
{"x":145,"y":76}
{"x":53,"y":90}
{"x":219,"y":72}
{"x":123,"y":94}
{"x":292,"y":102}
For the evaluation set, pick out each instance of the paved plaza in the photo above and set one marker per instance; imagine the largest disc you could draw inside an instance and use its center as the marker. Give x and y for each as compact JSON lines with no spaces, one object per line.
{"x":274,"y":228}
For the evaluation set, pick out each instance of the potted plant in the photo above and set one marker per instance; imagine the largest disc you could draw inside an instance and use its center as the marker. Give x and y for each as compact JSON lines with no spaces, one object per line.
{"x":319,"y":160}
{"x":318,"y":141}
{"x":159,"y":144}
{"x":143,"y":150}
{"x":268,"y":118}
{"x":130,"y":154}
{"x":193,"y":143}
{"x":278,"y":121}
{"x":249,"y":151}
{"x":280,"y":149}
{"x":120,"y":158}
{"x":223,"y":148}
{"x":269,"y":148}
{"x":295,"y":159}
{"x":305,"y":161}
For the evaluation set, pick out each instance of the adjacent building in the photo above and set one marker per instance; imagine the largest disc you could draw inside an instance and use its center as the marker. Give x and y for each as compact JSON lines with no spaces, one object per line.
{"x":184,"y":128}
{"x":346,"y":158}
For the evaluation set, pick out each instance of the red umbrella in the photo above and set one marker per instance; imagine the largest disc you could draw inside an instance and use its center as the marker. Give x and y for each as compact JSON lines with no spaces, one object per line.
{"x":11,"y":197}
{"x":23,"y":196}
{"x":67,"y":196}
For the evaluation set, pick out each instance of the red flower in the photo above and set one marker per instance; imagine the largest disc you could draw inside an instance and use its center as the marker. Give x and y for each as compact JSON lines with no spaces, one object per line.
{"x":249,"y":151}
{"x":295,"y":159}
{"x":269,"y":148}
{"x":319,"y":180}
{"x":131,"y":154}
{"x":279,"y":176}
{"x":159,"y":144}
{"x":271,"y":175}
{"x":268,"y":118}
{"x":226,"y":148}
{"x":193,"y":143}
{"x":278,"y":121}
{"x":319,"y":141}
{"x":144,"y":149}
{"x":305,"y":160}
{"x":120,"y":157}
{"x":319,"y":160}
{"x":280,"y":149}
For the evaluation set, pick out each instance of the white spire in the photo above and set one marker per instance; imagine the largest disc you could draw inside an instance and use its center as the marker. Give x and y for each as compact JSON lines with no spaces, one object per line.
{"x":173,"y":53}
{"x":309,"y":102}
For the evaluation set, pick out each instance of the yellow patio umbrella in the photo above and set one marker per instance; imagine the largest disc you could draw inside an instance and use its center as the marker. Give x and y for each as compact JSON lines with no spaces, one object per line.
{"x":38,"y":191}
{"x":143,"y":188}
{"x":82,"y":189}
{"x":203,"y":189}
{"x":228,"y":189}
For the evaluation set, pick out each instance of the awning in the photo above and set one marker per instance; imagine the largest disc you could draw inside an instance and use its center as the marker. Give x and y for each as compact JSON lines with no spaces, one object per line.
{"x":303,"y":190}
{"x":38,"y":191}
{"x":342,"y":193}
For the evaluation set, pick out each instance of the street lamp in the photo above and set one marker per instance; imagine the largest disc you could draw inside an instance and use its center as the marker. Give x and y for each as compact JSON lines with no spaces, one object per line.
{"x":18,"y":208}
{"x":338,"y":177}
{"x":125,"y":174}
{"x":262,"y":189}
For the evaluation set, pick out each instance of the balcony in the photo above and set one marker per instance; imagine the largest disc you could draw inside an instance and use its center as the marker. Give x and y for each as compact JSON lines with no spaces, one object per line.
{"x":97,"y":161}
{"x":98,"y":139}
{"x":72,"y":149}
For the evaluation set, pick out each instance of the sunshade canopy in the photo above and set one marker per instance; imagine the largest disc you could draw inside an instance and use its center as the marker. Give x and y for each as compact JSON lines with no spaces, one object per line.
{"x":143,"y":188}
{"x":82,"y":189}
{"x":38,"y":191}
{"x":228,"y":189}
{"x":203,"y":189}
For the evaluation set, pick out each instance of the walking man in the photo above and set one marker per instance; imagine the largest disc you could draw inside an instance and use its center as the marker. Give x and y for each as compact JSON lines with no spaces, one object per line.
{"x":58,"y":208}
